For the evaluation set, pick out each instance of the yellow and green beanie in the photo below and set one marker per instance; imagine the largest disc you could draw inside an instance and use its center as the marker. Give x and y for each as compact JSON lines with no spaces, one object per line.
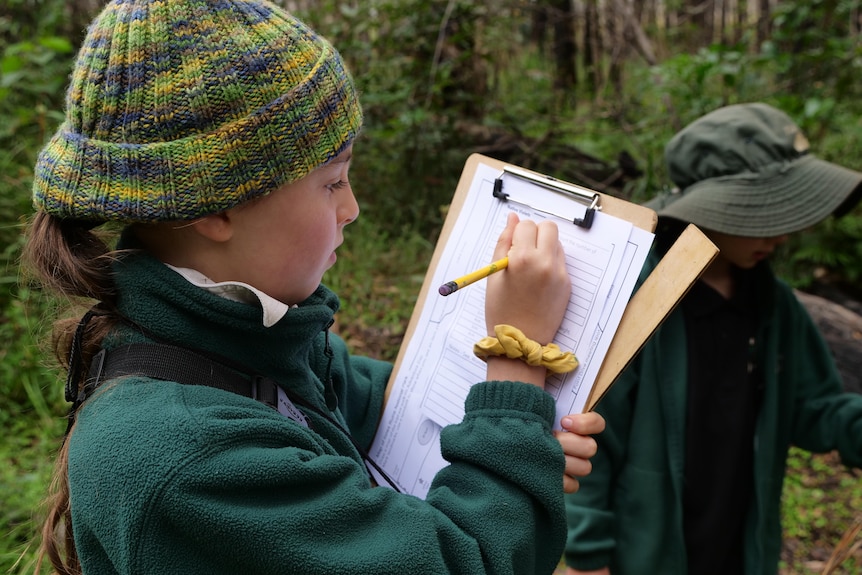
{"x":183,"y":108}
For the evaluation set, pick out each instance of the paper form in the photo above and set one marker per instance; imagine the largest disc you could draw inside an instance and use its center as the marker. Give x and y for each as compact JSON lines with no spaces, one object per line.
{"x":438,"y":366}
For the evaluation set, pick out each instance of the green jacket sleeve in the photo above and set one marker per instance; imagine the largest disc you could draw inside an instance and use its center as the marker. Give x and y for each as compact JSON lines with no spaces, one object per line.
{"x":825,"y":417}
{"x":590,"y":513}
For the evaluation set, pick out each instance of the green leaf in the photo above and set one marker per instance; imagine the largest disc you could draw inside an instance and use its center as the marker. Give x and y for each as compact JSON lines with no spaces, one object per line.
{"x":56,"y":44}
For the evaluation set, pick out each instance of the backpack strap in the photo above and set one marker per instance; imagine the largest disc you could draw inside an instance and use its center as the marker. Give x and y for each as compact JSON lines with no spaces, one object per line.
{"x":173,"y":363}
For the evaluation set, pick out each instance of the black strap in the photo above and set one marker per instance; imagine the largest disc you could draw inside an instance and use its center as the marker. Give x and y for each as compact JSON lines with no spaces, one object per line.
{"x":173,"y":363}
{"x":75,"y":353}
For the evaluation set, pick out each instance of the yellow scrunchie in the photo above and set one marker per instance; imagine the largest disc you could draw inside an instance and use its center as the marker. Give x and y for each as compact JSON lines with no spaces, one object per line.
{"x":512,"y":343}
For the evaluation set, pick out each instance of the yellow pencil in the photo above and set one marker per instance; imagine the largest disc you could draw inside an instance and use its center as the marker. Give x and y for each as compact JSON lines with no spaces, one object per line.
{"x":477,"y":275}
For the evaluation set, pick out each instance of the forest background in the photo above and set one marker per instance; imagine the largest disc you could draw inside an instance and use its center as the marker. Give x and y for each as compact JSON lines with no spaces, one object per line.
{"x":587,"y":91}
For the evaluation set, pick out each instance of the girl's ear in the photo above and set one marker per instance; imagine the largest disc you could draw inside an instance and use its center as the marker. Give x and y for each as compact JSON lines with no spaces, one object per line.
{"x":215,"y":227}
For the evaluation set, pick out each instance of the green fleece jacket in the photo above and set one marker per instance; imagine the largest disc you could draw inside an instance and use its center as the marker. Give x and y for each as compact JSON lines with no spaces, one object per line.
{"x":173,"y":478}
{"x":628,"y":511}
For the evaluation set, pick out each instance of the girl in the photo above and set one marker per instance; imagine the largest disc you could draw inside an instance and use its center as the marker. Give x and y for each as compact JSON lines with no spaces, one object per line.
{"x":217,"y":426}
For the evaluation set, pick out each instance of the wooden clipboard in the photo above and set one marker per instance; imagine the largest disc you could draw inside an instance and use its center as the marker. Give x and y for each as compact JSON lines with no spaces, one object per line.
{"x":648,"y":307}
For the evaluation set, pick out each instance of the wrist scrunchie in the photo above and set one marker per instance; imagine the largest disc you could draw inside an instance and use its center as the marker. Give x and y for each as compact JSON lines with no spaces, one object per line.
{"x":512,"y":343}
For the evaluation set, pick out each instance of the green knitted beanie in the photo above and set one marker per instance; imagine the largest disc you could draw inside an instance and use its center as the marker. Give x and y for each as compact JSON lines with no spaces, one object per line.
{"x":183,"y":108}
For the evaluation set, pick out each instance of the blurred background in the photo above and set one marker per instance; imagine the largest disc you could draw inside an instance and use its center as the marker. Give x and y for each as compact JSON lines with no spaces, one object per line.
{"x":587,"y":91}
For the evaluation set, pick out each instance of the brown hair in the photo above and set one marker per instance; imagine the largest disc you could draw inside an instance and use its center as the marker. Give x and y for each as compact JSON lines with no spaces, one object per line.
{"x":73,"y":260}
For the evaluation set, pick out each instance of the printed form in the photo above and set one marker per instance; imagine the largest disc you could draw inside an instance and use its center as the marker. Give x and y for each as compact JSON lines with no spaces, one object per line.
{"x":438,"y":366}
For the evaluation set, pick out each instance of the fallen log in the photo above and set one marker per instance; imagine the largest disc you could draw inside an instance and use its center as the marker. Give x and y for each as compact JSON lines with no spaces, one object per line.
{"x":842,"y":330}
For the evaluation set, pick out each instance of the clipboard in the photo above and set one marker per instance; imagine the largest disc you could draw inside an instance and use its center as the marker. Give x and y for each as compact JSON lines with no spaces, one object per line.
{"x":603,"y":325}
{"x":650,"y":305}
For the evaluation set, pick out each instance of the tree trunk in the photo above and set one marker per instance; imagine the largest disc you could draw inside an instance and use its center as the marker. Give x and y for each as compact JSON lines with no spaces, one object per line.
{"x":592,"y":47}
{"x":466,"y":89}
{"x":741,"y":19}
{"x":763,"y":22}
{"x":724,"y":26}
{"x":616,"y":33}
{"x":853,"y":29}
{"x":565,"y":51}
{"x":539,"y":26}
{"x":701,"y":15}
{"x":630,"y":28}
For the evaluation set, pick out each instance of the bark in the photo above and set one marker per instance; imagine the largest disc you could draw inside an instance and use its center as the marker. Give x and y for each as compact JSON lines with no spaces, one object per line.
{"x":544,"y":154}
{"x":456,"y":48}
{"x":617,"y":46}
{"x":763,"y":22}
{"x":741,"y":19}
{"x":631,"y":27}
{"x":701,"y":14}
{"x":539,"y":26}
{"x":592,"y":47}
{"x":565,"y":49}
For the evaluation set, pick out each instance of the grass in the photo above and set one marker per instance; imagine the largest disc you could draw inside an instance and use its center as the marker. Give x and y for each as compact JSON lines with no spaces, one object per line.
{"x":32,"y":419}
{"x":821,"y":501}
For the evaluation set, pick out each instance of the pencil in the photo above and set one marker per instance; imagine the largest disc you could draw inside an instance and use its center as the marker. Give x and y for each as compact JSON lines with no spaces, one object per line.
{"x":470,"y":278}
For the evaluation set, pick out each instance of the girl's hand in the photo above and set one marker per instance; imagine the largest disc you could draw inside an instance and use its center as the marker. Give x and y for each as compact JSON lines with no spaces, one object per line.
{"x":578,"y":445}
{"x":603,"y":571}
{"x":532,"y":293}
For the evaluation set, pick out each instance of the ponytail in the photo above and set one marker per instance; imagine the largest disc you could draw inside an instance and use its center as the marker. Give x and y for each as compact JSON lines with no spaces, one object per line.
{"x":73,"y":260}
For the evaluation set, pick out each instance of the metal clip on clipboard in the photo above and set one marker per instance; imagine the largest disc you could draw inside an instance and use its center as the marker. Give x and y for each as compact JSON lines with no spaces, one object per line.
{"x":580,"y":194}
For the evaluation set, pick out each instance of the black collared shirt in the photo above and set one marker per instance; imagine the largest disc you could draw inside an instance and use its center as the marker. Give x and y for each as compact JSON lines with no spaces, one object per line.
{"x":723,"y":401}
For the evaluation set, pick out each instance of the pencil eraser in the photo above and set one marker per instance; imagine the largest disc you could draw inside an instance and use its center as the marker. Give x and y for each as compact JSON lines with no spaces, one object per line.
{"x":447,"y":288}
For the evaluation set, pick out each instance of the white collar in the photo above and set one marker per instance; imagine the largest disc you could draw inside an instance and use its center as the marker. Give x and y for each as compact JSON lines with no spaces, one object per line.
{"x":273,"y":310}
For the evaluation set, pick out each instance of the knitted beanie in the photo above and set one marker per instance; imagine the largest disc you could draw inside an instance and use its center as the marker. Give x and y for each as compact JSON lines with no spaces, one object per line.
{"x":182,"y":108}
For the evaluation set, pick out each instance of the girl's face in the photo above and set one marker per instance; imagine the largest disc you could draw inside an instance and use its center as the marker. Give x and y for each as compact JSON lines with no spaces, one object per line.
{"x":284,"y":242}
{"x":745,"y":252}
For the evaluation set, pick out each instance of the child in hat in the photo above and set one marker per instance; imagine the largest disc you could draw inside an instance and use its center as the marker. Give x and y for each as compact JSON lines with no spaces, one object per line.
{"x":689,"y":472}
{"x":217,"y":426}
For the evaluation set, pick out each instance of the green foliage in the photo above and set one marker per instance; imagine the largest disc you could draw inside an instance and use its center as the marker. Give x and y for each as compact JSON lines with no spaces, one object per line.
{"x":808,"y":69}
{"x":34,"y":65}
{"x":407,"y":163}
{"x":408,"y":169}
{"x":21,"y":19}
{"x":833,"y":247}
{"x":32,"y":417}
{"x":378,"y":285}
{"x":32,"y":80}
{"x":28,"y":451}
{"x":35,"y":60}
{"x":23,"y":371}
{"x":36,"y":55}
{"x":812,"y":50}
{"x":410,"y":152}
{"x":715,"y":76}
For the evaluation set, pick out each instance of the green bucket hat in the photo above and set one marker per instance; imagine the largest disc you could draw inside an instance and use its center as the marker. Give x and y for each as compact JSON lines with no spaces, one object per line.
{"x":745,"y":170}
